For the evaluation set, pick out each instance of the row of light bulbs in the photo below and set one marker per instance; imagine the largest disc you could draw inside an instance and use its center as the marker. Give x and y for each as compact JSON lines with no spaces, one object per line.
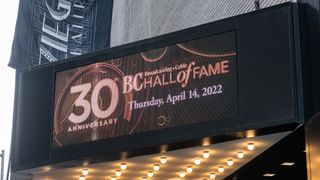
{"x":156,"y":167}
{"x":118,"y":172}
{"x":220,"y":169}
{"x":197,"y":162}
{"x":85,"y":172}
{"x":163,"y":160}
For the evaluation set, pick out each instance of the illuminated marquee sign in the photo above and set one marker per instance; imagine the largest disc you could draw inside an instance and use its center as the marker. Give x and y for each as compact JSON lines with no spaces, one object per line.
{"x":173,"y":86}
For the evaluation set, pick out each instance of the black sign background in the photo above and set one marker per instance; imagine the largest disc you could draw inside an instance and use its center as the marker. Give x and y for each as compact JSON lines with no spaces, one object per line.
{"x":163,"y":104}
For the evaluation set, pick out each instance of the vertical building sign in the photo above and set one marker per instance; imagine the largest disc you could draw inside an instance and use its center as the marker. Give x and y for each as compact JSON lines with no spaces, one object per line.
{"x":51,"y":30}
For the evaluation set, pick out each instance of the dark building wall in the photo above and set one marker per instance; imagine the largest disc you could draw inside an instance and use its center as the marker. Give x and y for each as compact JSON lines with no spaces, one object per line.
{"x":310,"y":40}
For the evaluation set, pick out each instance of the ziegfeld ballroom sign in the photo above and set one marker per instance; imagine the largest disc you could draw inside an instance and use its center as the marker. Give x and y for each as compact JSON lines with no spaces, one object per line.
{"x":177,"y":85}
{"x":51,"y":30}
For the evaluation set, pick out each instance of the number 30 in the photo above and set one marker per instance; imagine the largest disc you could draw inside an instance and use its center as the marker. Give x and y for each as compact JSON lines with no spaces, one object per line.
{"x":85,"y":104}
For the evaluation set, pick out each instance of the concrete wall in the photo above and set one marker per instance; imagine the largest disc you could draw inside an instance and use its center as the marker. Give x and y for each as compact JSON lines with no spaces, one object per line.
{"x":140,"y":19}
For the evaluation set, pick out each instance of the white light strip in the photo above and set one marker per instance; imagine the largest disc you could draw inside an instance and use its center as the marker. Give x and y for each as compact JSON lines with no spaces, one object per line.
{"x":287,"y":164}
{"x":269,"y":175}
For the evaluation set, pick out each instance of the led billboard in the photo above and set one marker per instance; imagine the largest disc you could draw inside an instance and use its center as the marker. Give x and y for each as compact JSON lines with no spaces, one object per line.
{"x":176,"y":85}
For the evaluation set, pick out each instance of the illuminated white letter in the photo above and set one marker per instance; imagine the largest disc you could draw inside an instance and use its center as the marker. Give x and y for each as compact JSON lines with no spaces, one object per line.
{"x":82,"y":102}
{"x":60,"y":15}
{"x":127,"y":84}
{"x":113,"y":102}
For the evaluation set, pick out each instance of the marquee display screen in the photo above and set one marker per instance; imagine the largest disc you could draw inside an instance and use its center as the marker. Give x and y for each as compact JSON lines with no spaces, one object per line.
{"x":173,"y":86}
